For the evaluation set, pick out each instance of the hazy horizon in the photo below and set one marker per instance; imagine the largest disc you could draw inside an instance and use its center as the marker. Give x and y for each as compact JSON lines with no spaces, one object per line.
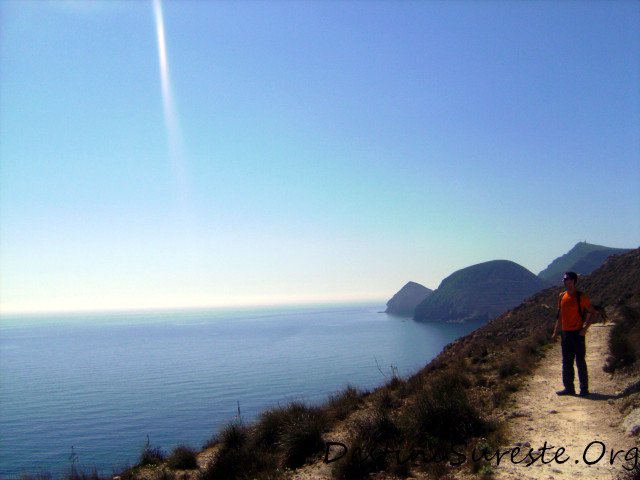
{"x":209,"y":154}
{"x":230,"y":307}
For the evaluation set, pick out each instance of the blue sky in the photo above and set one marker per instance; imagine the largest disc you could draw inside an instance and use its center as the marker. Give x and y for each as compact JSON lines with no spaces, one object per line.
{"x":317,"y":151}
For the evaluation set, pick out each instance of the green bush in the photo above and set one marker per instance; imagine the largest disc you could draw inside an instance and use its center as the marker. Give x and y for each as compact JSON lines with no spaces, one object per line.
{"x":301,"y":434}
{"x":240,"y":463}
{"x":345,"y":402}
{"x":442,"y":413}
{"x":269,"y":426}
{"x":367,"y":452}
{"x":163,"y":474}
{"x":234,"y":435}
{"x":77,"y":474}
{"x":287,"y":435}
{"x":151,"y":455}
{"x":294,"y":430}
{"x":533,"y":346}
{"x":387,"y":401}
{"x":183,"y":458}
{"x":508,"y":368}
{"x":624,"y":341}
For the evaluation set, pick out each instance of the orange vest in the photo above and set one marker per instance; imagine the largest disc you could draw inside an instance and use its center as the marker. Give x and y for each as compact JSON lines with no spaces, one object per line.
{"x":569,"y":312}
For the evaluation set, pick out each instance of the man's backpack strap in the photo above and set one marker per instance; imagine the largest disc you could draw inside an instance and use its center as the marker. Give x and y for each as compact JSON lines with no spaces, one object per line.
{"x":560,"y":297}
{"x":578,"y":293}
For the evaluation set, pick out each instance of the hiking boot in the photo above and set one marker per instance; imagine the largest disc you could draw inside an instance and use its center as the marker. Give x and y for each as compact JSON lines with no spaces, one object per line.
{"x":566,"y":392}
{"x":584,"y":393}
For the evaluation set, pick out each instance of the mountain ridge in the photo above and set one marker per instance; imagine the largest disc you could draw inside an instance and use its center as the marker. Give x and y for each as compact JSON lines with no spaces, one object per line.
{"x":479,"y":292}
{"x":583,"y":258}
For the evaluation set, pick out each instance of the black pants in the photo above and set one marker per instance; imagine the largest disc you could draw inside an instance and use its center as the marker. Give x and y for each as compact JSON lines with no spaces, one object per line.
{"x":573,"y":348}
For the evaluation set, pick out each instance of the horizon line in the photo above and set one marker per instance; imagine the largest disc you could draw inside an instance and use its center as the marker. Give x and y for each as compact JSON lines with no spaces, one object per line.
{"x":173,"y":308}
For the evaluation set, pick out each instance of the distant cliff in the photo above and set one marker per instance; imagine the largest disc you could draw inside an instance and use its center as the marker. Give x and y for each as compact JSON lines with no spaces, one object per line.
{"x":583,"y":258}
{"x":407,"y":299}
{"x":479,"y":293}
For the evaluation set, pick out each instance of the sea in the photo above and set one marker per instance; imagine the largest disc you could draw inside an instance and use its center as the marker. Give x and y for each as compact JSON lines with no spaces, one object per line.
{"x":91,"y":390}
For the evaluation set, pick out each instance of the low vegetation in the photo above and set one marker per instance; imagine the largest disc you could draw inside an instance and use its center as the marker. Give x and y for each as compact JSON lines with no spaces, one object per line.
{"x":281,"y":438}
{"x":624,"y":342}
{"x":183,"y":458}
{"x":151,"y":455}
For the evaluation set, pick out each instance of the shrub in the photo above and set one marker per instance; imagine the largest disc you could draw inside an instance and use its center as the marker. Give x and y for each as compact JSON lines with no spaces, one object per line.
{"x":633,"y":474}
{"x":498,"y":397}
{"x":212,"y":442}
{"x":295,"y":430}
{"x":486,"y":471}
{"x":240,"y":463}
{"x":234,"y":435}
{"x":269,"y":427}
{"x":481,"y":381}
{"x":368,"y":453}
{"x":533,"y":346}
{"x":508,"y":368}
{"x":125,"y":472}
{"x":387,"y":401}
{"x":342,"y":404}
{"x":442,"y":413}
{"x":228,"y":465}
{"x":291,"y":434}
{"x":77,"y":474}
{"x":163,"y":474}
{"x":622,"y":352}
{"x":510,"y":387}
{"x":301,"y":434}
{"x":183,"y":458}
{"x":624,"y":340}
{"x":151,"y":455}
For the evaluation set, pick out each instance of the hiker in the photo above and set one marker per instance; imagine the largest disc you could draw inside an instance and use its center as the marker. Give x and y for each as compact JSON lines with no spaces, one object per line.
{"x":573,"y":320}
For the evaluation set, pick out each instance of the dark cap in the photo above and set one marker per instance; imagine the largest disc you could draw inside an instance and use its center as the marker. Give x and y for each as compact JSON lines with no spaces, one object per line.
{"x":570,"y":276}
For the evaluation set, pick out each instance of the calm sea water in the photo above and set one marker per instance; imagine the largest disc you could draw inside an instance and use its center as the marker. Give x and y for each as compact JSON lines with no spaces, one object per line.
{"x":103,"y":383}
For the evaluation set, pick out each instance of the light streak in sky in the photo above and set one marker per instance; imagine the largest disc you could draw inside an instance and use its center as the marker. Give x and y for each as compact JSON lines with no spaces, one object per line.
{"x":176,"y":150}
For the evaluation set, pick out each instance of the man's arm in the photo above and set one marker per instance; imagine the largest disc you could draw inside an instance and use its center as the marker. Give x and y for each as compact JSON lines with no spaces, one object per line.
{"x":557,"y":328}
{"x":587,"y":319}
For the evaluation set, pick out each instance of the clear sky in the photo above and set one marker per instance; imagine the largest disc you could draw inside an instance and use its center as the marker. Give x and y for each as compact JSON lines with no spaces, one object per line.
{"x":306,"y":151}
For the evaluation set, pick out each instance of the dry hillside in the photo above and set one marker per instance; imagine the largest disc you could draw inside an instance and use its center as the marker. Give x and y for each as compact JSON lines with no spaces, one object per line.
{"x":492,"y":389}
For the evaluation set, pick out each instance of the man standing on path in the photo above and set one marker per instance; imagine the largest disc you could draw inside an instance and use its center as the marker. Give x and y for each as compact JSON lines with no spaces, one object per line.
{"x":574,"y":313}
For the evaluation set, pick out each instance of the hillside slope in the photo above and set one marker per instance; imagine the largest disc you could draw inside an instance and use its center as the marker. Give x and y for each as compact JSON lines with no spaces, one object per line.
{"x":479,"y":292}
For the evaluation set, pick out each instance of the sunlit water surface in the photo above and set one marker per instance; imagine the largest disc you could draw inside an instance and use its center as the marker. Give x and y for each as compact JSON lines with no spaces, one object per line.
{"x":103,"y":383}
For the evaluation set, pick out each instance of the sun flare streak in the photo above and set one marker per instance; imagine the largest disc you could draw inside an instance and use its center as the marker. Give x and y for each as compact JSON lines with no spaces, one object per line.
{"x":172,"y":125}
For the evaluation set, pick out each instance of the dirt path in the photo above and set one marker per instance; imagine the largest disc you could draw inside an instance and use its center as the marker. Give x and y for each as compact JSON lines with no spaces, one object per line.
{"x":538,"y":415}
